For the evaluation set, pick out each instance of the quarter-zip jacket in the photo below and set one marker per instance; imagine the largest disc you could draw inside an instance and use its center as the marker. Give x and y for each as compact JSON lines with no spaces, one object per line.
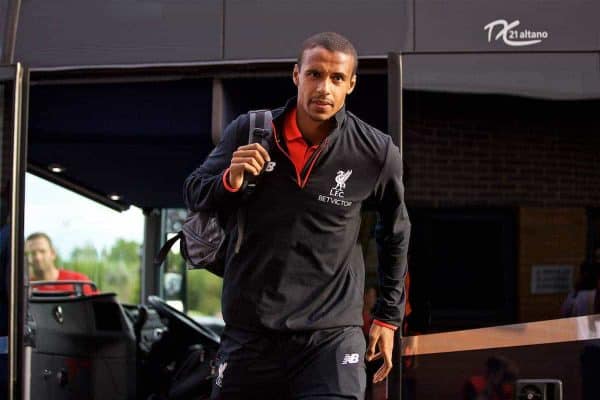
{"x":299,"y":266}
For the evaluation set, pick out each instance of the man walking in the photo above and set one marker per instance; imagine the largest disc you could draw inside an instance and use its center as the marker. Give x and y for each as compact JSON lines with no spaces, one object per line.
{"x":293,"y":291}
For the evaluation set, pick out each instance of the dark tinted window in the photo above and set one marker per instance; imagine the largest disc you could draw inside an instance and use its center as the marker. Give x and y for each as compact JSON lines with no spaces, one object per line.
{"x":493,"y":144}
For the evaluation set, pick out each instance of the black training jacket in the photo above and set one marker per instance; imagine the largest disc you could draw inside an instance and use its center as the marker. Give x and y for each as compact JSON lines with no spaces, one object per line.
{"x":300,"y":266}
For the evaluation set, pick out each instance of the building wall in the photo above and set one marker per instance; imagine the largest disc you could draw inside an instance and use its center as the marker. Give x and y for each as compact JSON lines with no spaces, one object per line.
{"x":537,"y":157}
{"x":501,"y":151}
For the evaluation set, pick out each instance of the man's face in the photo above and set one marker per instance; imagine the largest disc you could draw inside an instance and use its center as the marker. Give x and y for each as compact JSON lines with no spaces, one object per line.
{"x":40,"y":256}
{"x":324,"y":80}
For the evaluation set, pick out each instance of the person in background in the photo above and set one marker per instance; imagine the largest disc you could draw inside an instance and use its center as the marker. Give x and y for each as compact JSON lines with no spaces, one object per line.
{"x":498,"y":382}
{"x":41,"y":259}
{"x":583,"y":300}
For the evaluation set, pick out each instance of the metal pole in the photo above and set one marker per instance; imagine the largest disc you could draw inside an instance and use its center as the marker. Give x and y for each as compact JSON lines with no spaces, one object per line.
{"x":28,"y":350}
{"x":17,"y":270}
{"x":24,"y":352}
{"x":151,"y":273}
{"x":394,"y":380}
{"x":395,"y":98}
{"x":218,"y":118}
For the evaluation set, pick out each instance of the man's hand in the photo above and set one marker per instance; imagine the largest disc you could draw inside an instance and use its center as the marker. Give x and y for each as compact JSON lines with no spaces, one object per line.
{"x":381,"y":344}
{"x":251,"y":157}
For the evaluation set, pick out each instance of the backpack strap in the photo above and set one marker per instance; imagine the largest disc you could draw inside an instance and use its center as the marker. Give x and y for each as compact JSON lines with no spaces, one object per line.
{"x":164,"y":250}
{"x":261,"y":123}
{"x":261,"y":128}
{"x":260,"y":131}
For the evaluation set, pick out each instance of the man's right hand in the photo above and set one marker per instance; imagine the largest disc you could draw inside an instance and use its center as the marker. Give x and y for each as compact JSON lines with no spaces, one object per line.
{"x":251,"y":157}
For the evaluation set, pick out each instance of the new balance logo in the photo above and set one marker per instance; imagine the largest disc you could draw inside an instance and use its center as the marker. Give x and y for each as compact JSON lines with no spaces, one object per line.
{"x":270,"y":166}
{"x":350,"y":359}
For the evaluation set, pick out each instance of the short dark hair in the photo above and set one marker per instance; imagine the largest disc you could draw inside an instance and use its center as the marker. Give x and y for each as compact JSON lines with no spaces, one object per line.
{"x":40,"y":235}
{"x":589,"y":273}
{"x":331,"y":41}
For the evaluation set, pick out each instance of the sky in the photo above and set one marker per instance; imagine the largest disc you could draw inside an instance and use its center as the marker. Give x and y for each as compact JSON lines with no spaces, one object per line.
{"x":72,"y":220}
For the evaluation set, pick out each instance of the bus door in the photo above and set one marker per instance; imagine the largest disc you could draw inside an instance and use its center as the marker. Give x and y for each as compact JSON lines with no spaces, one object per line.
{"x":13,"y":87}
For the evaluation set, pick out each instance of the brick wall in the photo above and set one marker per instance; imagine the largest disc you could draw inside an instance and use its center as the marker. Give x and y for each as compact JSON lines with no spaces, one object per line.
{"x":541,"y":158}
{"x":501,"y":151}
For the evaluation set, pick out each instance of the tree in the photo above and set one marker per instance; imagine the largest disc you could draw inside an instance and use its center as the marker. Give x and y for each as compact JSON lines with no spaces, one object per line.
{"x":118,"y":269}
{"x":204,"y":292}
{"x":115,"y":270}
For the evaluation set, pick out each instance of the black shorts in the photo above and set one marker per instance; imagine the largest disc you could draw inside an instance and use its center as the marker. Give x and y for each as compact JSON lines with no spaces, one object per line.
{"x":323,"y":364}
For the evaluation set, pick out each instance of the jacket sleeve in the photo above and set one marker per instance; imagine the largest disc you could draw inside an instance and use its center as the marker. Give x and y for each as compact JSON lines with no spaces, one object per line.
{"x":392,"y":234}
{"x":204,"y":190}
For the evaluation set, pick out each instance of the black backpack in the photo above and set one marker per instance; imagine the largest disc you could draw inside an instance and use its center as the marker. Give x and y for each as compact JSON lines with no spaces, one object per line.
{"x":202,"y":237}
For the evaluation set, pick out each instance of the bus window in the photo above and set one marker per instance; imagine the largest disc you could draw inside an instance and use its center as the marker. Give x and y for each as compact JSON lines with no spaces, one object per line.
{"x":196,"y":292}
{"x":501,"y":156}
{"x":69,"y":235}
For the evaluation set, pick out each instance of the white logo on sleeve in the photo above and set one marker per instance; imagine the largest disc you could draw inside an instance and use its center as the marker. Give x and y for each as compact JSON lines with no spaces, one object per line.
{"x":219,"y":381}
{"x":351,"y":359}
{"x":270,"y":166}
{"x":336,"y":194}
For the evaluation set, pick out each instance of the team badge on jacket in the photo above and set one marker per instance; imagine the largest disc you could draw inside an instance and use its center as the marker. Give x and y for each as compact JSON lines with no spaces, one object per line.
{"x":336,"y":194}
{"x":341,"y":179}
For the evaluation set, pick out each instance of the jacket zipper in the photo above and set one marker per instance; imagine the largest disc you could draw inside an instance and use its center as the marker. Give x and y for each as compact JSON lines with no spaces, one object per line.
{"x":314,"y":157}
{"x":298,"y":181}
